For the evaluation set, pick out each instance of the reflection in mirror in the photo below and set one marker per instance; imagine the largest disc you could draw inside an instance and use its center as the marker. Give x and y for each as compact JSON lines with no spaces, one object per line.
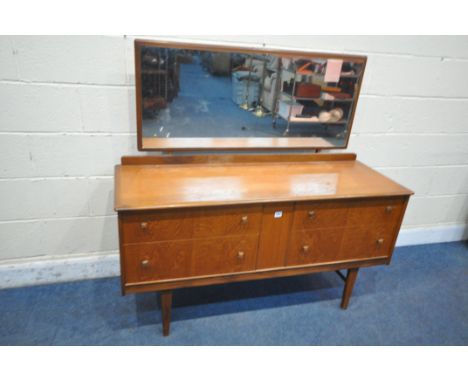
{"x":187,"y":93}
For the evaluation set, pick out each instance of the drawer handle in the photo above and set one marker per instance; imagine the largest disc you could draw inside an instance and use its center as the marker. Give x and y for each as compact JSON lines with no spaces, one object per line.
{"x":240,"y":255}
{"x":311,"y":214}
{"x":145,"y":263}
{"x":380,"y":241}
{"x":389,"y":209}
{"x":244,"y":219}
{"x":305,"y":248}
{"x":144,"y":225}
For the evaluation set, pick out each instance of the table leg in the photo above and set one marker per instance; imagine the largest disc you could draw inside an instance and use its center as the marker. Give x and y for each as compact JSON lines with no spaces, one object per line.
{"x":348,"y":288}
{"x":166,"y":305}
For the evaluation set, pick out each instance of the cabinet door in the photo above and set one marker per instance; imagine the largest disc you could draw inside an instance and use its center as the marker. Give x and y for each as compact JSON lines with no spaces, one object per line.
{"x":224,"y":255}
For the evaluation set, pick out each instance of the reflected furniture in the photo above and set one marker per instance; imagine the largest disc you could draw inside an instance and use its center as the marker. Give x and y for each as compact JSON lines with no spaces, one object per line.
{"x":204,"y":96}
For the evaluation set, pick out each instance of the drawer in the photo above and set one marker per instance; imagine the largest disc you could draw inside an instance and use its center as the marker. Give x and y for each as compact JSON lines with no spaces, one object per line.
{"x":340,"y":244}
{"x":166,"y":225}
{"x":320,"y":215}
{"x":224,"y":255}
{"x":157,"y":261}
{"x":188,"y":258}
{"x":144,"y":227}
{"x":379,"y":212}
{"x":314,"y":246}
{"x":227,"y":221}
{"x":361,"y":242}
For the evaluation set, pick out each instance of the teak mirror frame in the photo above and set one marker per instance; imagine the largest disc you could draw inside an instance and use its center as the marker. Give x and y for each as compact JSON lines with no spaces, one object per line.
{"x":200,"y":144}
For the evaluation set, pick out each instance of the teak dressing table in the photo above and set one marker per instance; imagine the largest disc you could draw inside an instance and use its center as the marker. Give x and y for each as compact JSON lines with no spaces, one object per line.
{"x":205,"y":219}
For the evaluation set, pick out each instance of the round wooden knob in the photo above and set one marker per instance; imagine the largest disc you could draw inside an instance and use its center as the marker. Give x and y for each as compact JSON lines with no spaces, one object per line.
{"x":240,"y":255}
{"x":305,"y":248}
{"x":389,"y":209}
{"x":244,"y":219}
{"x":144,"y":225}
{"x":145,"y":263}
{"x":380,"y":241}
{"x":311,"y":214}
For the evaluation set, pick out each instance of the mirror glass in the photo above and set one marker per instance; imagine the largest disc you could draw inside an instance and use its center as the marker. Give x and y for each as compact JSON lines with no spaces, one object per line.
{"x":192,"y":93}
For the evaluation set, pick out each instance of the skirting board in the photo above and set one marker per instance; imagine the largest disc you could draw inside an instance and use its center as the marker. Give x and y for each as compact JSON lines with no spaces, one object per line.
{"x":47,"y":271}
{"x":432,"y":235}
{"x":54,"y":270}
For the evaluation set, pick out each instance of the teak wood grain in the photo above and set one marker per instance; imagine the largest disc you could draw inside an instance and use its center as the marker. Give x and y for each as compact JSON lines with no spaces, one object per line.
{"x":224,"y":255}
{"x":349,"y":285}
{"x":223,"y":221}
{"x":258,"y":274}
{"x":234,"y":158}
{"x":316,"y":246}
{"x":150,"y":226}
{"x":158,"y":261}
{"x":310,"y":215}
{"x":276,"y":225}
{"x":207,"y":220}
{"x":140,"y":187}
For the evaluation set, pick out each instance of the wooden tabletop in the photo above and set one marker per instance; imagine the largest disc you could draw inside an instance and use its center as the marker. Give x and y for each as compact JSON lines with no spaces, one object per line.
{"x":150,"y":186}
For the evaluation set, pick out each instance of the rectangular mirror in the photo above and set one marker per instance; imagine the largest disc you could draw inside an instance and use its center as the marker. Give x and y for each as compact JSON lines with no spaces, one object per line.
{"x":211,"y":97}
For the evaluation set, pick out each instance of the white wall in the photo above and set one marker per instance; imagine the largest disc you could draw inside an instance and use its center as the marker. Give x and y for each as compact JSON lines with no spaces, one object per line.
{"x":67,"y":116}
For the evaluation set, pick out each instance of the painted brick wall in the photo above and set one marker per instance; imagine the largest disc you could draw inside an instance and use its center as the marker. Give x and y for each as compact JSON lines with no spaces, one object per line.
{"x":67,"y":116}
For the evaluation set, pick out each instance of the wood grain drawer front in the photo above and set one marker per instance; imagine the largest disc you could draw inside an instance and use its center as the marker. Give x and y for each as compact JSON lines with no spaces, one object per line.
{"x":228,"y":221}
{"x":380,"y":212}
{"x":224,"y":255}
{"x":320,"y":215}
{"x":339,"y":244}
{"x":157,"y":261}
{"x":157,"y":226}
{"x":314,"y":246}
{"x":362,"y":242}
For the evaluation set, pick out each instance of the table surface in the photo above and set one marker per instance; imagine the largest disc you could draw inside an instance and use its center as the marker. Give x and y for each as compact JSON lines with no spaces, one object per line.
{"x":142,"y":187}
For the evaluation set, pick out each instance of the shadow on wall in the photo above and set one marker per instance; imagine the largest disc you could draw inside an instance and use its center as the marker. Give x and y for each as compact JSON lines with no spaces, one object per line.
{"x":109,"y":233}
{"x":95,"y":230}
{"x":70,"y":236}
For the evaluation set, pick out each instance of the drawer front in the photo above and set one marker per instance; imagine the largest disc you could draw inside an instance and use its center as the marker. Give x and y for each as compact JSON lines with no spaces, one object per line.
{"x":339,"y":244}
{"x":189,"y":258}
{"x":187,"y":243}
{"x":191,"y":223}
{"x":228,"y":221}
{"x":224,"y":255}
{"x":347,"y":213}
{"x":314,"y":246}
{"x":380,"y":212}
{"x":156,"y":226}
{"x":320,"y":215}
{"x":367,"y":242}
{"x":157,"y":261}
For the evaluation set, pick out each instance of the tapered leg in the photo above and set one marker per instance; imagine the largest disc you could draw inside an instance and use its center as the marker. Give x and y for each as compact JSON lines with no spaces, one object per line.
{"x":166,"y":304}
{"x":348,"y":289}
